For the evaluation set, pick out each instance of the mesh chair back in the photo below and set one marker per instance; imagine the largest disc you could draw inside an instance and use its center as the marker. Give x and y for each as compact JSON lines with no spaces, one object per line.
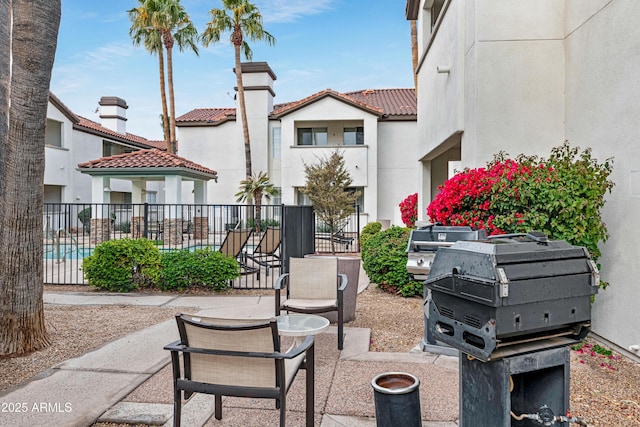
{"x":234,"y":335}
{"x":269,"y":242}
{"x":234,"y":242}
{"x":313,"y":278}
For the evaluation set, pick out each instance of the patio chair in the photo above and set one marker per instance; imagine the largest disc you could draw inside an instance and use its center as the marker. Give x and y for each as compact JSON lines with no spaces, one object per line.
{"x":264,"y":253}
{"x":313,"y":286}
{"x":233,"y":245}
{"x":237,"y":357}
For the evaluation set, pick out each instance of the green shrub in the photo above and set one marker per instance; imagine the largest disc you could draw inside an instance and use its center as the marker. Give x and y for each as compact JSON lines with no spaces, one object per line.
{"x":384,"y":258}
{"x":251,"y":224}
{"x":122,"y":265}
{"x":124,"y":227}
{"x":202,"y":267}
{"x":84,"y":216}
{"x":368,"y":231}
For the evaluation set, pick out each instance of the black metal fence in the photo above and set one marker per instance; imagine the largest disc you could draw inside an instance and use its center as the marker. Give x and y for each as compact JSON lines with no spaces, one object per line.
{"x":72,"y":231}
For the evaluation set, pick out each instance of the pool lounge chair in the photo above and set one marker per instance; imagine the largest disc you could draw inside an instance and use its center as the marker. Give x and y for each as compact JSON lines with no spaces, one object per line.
{"x":233,"y":245}
{"x":264,"y":253}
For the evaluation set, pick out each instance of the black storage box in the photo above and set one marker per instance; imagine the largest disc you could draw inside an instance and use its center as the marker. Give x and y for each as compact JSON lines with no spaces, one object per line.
{"x":510,"y":294}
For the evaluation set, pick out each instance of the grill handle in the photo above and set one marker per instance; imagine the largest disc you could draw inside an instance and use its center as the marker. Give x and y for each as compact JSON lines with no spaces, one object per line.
{"x":536,"y":236}
{"x":428,"y":243}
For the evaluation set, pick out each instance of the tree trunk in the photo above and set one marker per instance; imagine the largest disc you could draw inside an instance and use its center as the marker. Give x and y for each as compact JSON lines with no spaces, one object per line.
{"x":172,"y":106}
{"x":33,"y":45}
{"x":163,"y":98}
{"x":243,"y":112}
{"x":414,"y":52}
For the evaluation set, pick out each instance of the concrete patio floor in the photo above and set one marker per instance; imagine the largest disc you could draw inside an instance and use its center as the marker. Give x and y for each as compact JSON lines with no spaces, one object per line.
{"x":129,"y":380}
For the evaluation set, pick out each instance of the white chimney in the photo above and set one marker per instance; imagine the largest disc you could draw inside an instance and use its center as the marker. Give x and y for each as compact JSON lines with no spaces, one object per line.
{"x":114,"y":113}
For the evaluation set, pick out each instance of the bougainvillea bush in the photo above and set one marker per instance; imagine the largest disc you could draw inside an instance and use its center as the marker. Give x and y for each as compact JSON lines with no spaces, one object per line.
{"x":561,"y":196}
{"x":409,"y":210}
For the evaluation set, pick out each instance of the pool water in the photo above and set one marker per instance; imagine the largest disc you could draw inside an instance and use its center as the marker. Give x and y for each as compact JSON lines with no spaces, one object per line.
{"x":71,"y":251}
{"x":75,"y":252}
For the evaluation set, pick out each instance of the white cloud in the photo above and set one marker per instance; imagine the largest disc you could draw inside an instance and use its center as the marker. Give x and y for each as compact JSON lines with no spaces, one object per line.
{"x":108,"y":55}
{"x":279,"y":11}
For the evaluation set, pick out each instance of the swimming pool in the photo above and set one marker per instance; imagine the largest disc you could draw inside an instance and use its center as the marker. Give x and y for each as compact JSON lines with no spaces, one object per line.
{"x":65,"y":250}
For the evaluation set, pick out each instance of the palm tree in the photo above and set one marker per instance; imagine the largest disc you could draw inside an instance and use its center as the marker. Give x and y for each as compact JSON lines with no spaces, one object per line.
{"x":29,"y":33}
{"x":414,"y":51}
{"x":142,"y":32}
{"x":254,"y":188}
{"x":244,"y":19}
{"x":162,"y":24}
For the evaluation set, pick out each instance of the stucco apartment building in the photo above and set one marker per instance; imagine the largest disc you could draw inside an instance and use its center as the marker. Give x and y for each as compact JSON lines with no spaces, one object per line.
{"x":523,"y":77}
{"x":72,"y":139}
{"x":374,"y":129}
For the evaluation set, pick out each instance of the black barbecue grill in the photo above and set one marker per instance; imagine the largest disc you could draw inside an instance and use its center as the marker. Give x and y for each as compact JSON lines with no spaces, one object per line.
{"x":421,"y":251}
{"x":510,"y":294}
{"x":425,"y":241}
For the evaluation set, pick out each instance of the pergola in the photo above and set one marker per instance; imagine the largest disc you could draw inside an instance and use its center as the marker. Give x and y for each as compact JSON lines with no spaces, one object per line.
{"x":140,"y":167}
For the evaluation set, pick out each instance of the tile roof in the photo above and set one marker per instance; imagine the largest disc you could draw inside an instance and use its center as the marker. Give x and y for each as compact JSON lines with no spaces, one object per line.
{"x":93,"y":127}
{"x":394,"y":102}
{"x":387,"y":103}
{"x":217,"y":115}
{"x":281,"y":109}
{"x":145,"y":159}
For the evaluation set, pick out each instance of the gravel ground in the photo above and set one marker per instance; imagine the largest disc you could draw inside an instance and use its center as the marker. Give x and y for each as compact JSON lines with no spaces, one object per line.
{"x":605,"y":390}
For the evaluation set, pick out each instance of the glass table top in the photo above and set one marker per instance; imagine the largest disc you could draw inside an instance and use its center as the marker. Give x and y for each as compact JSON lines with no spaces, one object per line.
{"x":301,"y":324}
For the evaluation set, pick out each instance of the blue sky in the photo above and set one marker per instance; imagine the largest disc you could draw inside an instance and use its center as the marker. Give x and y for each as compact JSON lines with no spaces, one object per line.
{"x":345,"y":45}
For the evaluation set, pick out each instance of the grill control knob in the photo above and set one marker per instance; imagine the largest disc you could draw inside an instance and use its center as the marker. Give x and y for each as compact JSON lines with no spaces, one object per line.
{"x":420,"y":261}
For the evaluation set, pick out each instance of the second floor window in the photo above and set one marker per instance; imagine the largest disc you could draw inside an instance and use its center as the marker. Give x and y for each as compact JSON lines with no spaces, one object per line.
{"x":313,"y":136}
{"x":354,"y":136}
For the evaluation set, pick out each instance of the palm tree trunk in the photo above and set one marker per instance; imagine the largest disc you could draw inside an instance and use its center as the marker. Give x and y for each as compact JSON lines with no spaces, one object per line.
{"x":5,"y":78}
{"x":33,"y":46}
{"x":172,"y":106}
{"x":163,"y":97}
{"x":243,"y":112}
{"x":414,"y":52}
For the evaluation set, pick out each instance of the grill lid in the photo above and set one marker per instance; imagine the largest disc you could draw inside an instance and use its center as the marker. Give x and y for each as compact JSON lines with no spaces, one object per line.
{"x":433,"y":237}
{"x":534,"y":257}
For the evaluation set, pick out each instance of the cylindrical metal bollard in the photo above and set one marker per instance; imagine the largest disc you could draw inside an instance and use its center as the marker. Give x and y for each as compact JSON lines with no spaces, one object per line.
{"x":397,"y":399}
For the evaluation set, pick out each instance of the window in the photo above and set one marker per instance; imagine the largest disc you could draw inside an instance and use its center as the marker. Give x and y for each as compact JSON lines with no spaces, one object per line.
{"x":277,"y":199}
{"x":301,"y":198}
{"x":110,"y":149}
{"x":436,"y":8}
{"x":151,"y":197}
{"x":360,"y":199}
{"x":53,"y":133}
{"x":53,"y":194}
{"x":313,"y":136}
{"x":354,"y":136}
{"x":276,"y":143}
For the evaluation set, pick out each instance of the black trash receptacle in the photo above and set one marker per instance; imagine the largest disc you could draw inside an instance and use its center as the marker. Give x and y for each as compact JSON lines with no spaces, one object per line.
{"x":397,"y":399}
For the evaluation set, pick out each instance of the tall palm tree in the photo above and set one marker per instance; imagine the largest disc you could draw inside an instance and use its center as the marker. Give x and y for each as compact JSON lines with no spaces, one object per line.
{"x":253,"y":189}
{"x":142,"y":32}
{"x":414,"y":51}
{"x":162,"y":24}
{"x":243,"y":20}
{"x":29,"y":33}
